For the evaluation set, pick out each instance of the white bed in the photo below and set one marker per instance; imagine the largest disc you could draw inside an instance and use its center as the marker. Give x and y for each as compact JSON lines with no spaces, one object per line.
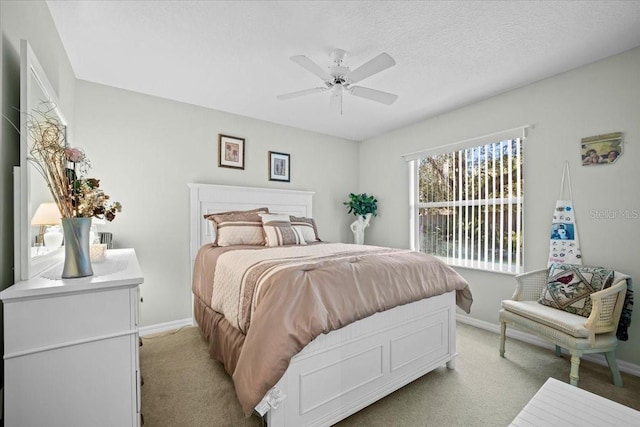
{"x":346,"y":370}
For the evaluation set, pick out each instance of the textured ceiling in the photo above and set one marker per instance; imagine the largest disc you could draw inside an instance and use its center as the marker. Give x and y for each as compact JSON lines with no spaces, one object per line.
{"x":234,"y":55}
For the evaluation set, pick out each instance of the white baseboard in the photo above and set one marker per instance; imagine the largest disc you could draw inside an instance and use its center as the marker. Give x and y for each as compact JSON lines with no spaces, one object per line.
{"x":627,"y":367}
{"x":164,"y":327}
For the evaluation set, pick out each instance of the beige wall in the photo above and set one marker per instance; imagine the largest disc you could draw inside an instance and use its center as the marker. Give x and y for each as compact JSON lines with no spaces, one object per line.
{"x":592,"y":100}
{"x":145,"y":150}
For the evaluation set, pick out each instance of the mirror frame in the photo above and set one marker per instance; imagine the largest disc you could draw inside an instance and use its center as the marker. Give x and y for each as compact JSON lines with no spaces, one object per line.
{"x":31,"y":73}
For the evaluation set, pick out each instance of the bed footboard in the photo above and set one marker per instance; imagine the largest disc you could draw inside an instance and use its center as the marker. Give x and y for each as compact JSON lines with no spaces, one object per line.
{"x":348,"y":369}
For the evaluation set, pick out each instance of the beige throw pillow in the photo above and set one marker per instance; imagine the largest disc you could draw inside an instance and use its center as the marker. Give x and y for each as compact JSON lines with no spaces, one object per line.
{"x":238,"y":227}
{"x":278,"y":231}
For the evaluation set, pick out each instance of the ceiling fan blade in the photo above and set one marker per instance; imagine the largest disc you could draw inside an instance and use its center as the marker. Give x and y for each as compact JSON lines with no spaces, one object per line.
{"x":311,"y":66}
{"x":301,"y":93}
{"x":373,"y":94}
{"x":377,"y":64}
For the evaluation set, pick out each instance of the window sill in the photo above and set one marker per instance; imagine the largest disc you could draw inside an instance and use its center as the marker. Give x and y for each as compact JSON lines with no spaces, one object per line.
{"x":509,"y":270}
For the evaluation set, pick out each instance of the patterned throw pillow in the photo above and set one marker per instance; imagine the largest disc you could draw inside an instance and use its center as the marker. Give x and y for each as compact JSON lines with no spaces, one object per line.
{"x":278,"y":230}
{"x":307,"y":227}
{"x":569,"y":287}
{"x":238,"y":227}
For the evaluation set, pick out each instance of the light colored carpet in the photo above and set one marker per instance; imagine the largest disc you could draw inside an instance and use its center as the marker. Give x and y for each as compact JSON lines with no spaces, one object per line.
{"x":184,"y":387}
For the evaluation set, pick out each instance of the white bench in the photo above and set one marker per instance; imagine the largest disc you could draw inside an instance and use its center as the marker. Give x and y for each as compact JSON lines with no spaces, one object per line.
{"x":560,"y":404}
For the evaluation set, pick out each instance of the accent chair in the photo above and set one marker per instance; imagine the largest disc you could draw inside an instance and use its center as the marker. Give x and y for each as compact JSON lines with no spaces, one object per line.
{"x":580,"y":332}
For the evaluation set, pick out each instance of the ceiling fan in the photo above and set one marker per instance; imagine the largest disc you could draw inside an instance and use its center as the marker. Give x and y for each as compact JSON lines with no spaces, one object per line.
{"x":339,"y":79}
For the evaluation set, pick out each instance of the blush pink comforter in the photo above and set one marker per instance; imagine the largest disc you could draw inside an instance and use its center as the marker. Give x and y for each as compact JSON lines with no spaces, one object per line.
{"x":288,"y":297}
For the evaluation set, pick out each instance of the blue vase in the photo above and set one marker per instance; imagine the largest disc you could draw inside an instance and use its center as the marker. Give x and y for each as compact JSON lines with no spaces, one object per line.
{"x":77,"y":255}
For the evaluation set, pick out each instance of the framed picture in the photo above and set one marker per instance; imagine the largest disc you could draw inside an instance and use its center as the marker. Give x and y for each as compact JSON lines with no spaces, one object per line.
{"x":230,"y":152}
{"x":601,"y":149}
{"x":279,"y":166}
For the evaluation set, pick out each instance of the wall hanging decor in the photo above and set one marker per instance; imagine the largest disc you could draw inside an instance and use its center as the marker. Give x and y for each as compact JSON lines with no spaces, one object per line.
{"x":230,"y":152}
{"x":601,"y":149}
{"x":564,"y":246}
{"x":279,"y":166}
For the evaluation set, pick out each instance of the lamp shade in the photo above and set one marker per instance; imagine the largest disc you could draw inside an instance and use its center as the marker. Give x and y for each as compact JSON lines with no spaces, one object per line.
{"x":46,"y":214}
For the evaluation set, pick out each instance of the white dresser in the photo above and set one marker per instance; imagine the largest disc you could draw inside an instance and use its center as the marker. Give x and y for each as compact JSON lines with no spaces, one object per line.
{"x":71,"y":347}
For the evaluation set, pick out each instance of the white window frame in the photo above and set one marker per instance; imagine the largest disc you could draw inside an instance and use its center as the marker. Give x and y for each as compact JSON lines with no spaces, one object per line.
{"x":520,"y":132}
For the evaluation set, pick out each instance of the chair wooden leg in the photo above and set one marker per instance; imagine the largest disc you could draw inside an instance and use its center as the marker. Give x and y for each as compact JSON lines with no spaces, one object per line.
{"x":503,"y":333}
{"x":558,"y":351}
{"x":575,"y":365}
{"x":613,"y":366}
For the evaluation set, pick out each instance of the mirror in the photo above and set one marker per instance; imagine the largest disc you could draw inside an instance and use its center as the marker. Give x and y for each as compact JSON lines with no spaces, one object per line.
{"x":30,"y":188}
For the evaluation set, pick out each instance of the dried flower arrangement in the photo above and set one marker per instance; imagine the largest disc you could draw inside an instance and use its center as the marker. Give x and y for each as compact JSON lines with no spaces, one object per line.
{"x":64,"y":169}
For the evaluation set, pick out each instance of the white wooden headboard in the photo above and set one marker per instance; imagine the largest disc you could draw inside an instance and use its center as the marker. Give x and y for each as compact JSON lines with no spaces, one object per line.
{"x":210,"y":198}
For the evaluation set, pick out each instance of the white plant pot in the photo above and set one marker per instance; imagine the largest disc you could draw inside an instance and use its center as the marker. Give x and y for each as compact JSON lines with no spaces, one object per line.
{"x":358,"y":226}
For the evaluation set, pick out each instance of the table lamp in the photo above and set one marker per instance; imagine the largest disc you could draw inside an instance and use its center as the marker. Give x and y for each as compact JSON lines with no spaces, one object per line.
{"x":47,"y":216}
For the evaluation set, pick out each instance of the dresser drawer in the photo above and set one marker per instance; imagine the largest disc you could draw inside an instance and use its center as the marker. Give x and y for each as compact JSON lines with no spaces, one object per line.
{"x":63,"y":320}
{"x":83,"y":385}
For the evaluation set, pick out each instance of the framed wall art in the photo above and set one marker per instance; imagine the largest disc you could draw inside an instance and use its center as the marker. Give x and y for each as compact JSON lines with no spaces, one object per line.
{"x":279,"y":166}
{"x":601,"y":149}
{"x":230,"y":152}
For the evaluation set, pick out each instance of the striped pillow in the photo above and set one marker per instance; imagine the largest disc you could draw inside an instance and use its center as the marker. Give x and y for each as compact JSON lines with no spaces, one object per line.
{"x":238,"y":228}
{"x":279,"y":232}
{"x":307,"y":227}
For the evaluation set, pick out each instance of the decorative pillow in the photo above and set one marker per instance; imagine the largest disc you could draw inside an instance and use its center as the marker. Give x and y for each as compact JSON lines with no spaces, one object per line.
{"x":306,"y":227}
{"x":259,"y":210}
{"x":278,"y":230}
{"x":569,"y":287}
{"x":238,"y":227}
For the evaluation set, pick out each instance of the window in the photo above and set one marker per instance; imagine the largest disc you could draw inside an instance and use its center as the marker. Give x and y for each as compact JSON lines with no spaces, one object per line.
{"x":467,"y":206}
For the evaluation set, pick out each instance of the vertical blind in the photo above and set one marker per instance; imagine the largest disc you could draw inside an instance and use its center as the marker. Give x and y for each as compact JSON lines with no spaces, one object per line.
{"x":468,"y":202}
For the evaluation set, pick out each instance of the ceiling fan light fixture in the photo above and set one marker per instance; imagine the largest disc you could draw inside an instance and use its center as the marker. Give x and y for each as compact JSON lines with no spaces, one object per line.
{"x":339,"y":71}
{"x":338,"y":55}
{"x":341,"y":77}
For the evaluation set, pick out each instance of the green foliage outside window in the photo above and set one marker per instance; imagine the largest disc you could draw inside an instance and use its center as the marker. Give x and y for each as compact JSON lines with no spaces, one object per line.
{"x":470,"y":200}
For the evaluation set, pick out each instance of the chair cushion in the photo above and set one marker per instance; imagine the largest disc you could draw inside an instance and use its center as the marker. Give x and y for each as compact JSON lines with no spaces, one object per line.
{"x":569,"y":287}
{"x":571,"y":324}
